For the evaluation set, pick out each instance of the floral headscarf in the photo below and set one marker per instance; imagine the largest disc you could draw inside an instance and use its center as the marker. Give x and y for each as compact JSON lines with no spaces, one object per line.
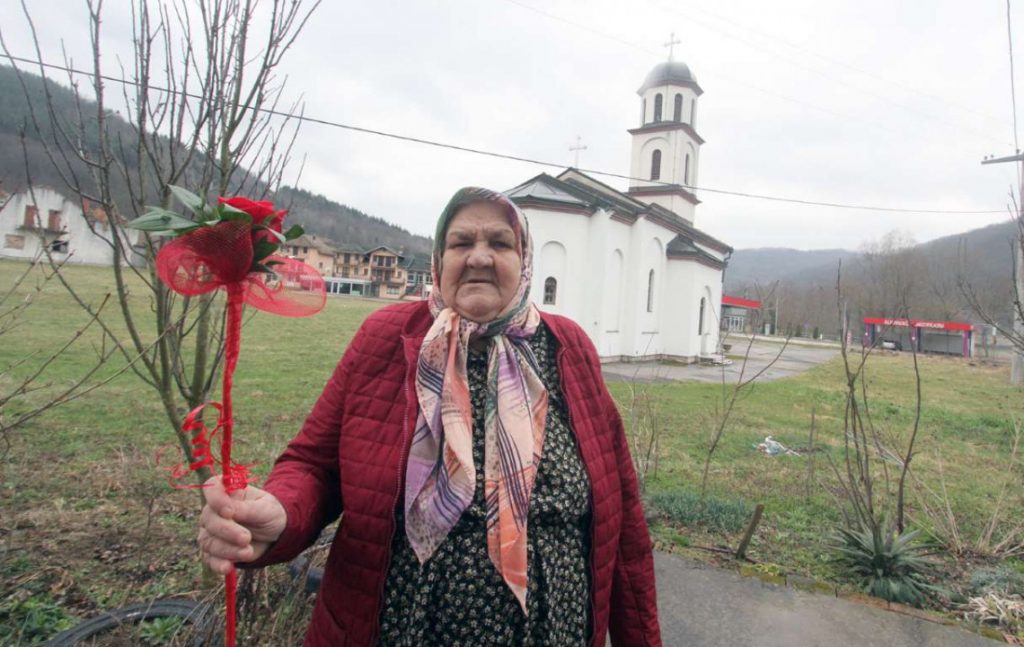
{"x":440,"y":477}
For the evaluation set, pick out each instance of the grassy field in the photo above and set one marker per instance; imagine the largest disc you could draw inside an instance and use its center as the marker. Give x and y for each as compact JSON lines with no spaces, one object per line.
{"x":89,"y":520}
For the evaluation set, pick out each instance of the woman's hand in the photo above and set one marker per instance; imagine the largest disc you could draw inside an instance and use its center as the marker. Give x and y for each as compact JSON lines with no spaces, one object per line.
{"x":239,"y":527}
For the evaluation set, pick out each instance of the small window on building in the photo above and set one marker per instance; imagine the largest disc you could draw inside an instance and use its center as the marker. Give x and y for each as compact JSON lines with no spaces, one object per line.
{"x":700,"y":316}
{"x":12,"y":241}
{"x":59,"y":247}
{"x":693,"y":112}
{"x":657,"y":107}
{"x":677,"y":108}
{"x":53,"y":222}
{"x":643,"y":112}
{"x":550,"y":291}
{"x":31,"y":216}
{"x":305,"y":250}
{"x":656,"y":165}
{"x":650,"y":291}
{"x":320,"y":265}
{"x":686,"y":170}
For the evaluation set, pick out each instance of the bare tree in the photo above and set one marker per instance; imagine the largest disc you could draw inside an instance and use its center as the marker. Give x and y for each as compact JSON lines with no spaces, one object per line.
{"x":202,"y":96}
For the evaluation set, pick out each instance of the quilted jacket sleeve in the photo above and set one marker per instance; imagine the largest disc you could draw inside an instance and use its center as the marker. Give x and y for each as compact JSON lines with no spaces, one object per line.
{"x":634,"y":607}
{"x":305,"y":477}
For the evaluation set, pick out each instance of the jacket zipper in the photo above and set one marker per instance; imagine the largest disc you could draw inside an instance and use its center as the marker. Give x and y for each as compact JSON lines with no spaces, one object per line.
{"x":593,"y":526}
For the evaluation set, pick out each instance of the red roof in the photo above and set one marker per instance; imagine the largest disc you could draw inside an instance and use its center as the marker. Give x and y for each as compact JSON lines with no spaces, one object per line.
{"x":750,"y":304}
{"x":918,"y":323}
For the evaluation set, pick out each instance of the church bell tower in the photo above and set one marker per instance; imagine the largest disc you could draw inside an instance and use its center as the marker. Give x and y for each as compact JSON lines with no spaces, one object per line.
{"x":666,"y":146}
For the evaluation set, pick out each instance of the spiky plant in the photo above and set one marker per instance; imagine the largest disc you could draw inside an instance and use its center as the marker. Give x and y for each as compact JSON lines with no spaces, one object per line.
{"x":890,"y":565}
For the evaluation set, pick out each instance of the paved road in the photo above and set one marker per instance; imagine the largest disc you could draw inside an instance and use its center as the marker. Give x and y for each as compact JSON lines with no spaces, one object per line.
{"x":703,"y":606}
{"x":795,"y":358}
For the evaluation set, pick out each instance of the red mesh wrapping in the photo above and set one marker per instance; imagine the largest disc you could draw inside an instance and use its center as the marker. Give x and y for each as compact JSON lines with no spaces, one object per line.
{"x":206,"y":258}
{"x":293,"y":290}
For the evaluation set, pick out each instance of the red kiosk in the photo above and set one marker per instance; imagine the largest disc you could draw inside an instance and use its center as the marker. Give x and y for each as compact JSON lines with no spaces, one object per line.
{"x":945,"y":337}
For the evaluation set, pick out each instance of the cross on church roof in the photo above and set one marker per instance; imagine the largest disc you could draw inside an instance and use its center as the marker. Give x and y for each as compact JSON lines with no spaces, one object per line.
{"x":577,"y":148}
{"x":672,"y":42}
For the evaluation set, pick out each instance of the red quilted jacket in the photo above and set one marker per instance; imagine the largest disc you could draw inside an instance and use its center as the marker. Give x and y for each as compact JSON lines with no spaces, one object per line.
{"x":351,"y":454}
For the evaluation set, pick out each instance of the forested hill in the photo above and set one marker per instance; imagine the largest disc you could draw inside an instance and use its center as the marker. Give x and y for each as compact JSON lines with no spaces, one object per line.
{"x":344,"y":225}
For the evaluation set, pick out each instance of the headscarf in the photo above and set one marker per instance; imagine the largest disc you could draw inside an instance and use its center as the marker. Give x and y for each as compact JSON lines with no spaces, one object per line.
{"x":440,"y":477}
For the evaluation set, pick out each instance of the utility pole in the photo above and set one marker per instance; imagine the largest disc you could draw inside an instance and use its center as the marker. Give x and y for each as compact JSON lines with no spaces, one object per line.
{"x":1017,"y":366}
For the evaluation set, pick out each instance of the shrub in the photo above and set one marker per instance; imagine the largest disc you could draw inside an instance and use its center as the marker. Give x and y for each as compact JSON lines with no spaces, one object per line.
{"x":889,"y":565}
{"x":998,"y":579}
{"x":713,"y":513}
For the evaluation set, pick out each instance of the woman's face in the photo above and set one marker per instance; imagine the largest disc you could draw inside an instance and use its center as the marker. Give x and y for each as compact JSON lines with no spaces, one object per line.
{"x":480,"y":265}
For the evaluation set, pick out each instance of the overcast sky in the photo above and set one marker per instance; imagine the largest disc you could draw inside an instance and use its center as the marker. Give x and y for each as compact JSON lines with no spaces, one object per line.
{"x":869,"y":102}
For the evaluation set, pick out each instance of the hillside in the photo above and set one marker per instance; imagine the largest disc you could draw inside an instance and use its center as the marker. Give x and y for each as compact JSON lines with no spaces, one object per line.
{"x":345,"y":225}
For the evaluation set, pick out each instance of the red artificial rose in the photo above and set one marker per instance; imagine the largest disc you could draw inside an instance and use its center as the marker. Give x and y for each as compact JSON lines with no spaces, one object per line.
{"x":262,"y":213}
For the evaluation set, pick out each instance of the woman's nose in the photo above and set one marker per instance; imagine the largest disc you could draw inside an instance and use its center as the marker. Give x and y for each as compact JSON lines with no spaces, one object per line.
{"x":480,"y":256}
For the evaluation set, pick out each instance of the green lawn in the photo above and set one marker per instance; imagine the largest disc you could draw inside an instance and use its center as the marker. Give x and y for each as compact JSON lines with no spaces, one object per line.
{"x":89,"y":520}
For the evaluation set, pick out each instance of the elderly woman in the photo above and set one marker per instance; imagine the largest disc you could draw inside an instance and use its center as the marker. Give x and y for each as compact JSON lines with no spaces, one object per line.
{"x":481,"y":465}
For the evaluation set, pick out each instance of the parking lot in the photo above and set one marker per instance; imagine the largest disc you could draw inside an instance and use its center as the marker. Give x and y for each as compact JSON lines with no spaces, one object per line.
{"x":796,"y":357}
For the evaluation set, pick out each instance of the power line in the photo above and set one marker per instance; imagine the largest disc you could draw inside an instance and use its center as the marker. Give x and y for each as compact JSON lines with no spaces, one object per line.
{"x":849,"y":66}
{"x":732,"y":79}
{"x":815,"y":71}
{"x":506,"y":156}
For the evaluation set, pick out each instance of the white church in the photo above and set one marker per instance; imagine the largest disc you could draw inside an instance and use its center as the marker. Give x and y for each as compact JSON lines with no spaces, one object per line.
{"x":631,"y":268}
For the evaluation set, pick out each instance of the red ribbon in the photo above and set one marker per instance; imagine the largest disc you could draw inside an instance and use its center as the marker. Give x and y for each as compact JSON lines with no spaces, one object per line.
{"x":221,"y":256}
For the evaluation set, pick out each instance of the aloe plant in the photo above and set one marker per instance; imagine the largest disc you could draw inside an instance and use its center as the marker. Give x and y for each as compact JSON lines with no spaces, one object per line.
{"x":890,"y":565}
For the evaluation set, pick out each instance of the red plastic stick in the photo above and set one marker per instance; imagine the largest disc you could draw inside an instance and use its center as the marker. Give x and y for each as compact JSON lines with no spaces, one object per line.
{"x":231,"y":480}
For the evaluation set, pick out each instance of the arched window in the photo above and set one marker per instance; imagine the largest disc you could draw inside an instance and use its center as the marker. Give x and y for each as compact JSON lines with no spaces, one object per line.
{"x":650,"y":291}
{"x":686,"y":170}
{"x":700,"y":320}
{"x":643,"y":112}
{"x":677,"y":109}
{"x":656,"y":165}
{"x":693,"y":112}
{"x":550,"y":291}
{"x":657,"y":107}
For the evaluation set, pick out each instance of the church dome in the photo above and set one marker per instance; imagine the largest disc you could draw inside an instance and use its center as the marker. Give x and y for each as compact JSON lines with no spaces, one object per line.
{"x":668,"y":73}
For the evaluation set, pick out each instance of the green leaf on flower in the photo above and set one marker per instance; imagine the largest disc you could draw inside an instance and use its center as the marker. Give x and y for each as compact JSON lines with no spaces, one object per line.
{"x":187,"y":198}
{"x":275,"y":234}
{"x":261,"y":249}
{"x":294,"y":232}
{"x":273,"y":263}
{"x":157,"y":219}
{"x":227,"y":212}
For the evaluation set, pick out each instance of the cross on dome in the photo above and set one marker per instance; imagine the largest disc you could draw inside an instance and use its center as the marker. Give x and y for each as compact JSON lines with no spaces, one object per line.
{"x":672,"y":42}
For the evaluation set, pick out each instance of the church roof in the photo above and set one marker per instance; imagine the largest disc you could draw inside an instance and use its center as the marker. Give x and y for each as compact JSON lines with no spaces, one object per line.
{"x":682,"y":247}
{"x":576,"y":190}
{"x":670,"y":73}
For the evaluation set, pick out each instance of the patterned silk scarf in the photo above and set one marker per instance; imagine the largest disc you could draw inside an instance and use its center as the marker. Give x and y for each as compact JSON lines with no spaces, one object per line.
{"x":440,"y":477}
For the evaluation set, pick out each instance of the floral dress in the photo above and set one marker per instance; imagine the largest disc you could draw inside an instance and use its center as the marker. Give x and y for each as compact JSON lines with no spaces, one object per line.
{"x":458,"y":597}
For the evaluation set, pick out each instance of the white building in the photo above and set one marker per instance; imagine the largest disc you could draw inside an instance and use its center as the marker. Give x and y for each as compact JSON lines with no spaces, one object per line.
{"x":44,"y":217}
{"x":630,"y":267}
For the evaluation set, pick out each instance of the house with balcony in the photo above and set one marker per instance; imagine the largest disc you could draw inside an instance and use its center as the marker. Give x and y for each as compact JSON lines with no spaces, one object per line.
{"x":33,"y":222}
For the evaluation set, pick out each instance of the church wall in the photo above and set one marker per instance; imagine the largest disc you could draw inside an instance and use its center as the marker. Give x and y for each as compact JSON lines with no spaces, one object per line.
{"x":690,"y":282}
{"x":570,"y":252}
{"x":618,"y":317}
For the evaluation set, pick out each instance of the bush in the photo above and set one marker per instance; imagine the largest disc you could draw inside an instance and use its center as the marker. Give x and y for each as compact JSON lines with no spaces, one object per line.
{"x":997,"y":579}
{"x":888,"y":565}
{"x":713,"y":513}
